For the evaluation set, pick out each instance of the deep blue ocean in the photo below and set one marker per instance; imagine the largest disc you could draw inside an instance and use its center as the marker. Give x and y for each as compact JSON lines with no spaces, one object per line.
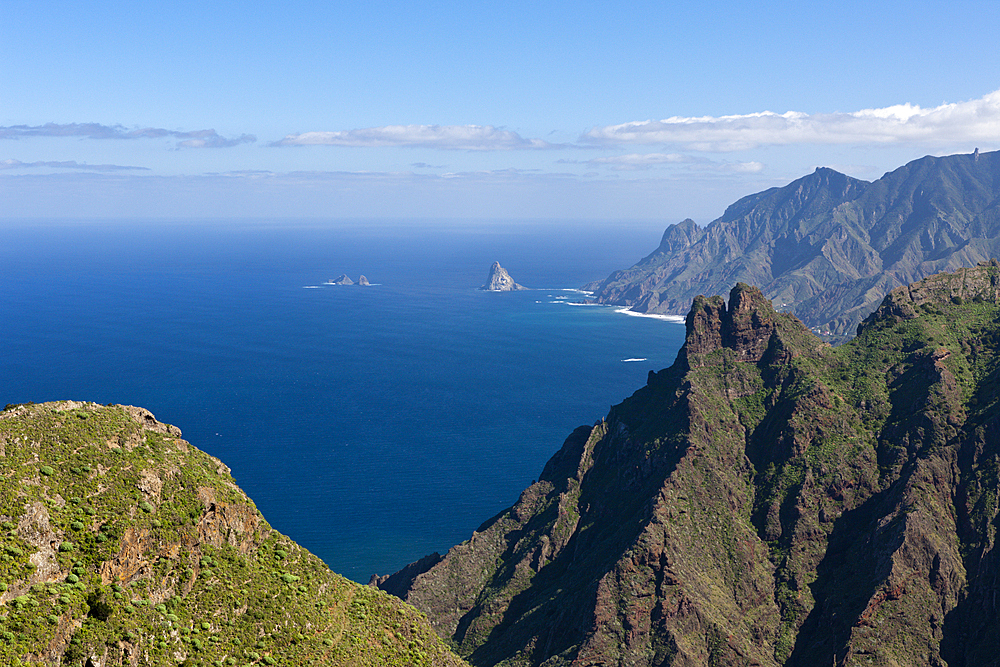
{"x":373,"y":425}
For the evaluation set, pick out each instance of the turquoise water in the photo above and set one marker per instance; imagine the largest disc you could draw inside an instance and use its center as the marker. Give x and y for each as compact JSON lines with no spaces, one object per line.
{"x":372,"y":425}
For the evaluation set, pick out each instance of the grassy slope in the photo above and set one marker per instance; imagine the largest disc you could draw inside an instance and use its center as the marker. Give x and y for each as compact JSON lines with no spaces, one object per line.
{"x":120,"y":543}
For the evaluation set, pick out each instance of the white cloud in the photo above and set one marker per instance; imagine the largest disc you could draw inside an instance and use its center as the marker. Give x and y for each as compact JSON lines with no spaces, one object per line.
{"x":194,"y":139}
{"x":742,"y":167}
{"x":447,"y":137}
{"x":974,"y":120}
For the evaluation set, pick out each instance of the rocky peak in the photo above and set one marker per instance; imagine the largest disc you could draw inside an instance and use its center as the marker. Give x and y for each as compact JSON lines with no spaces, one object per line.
{"x":500,"y":281}
{"x":681,"y":235}
{"x":363,"y":281}
{"x":745,"y":326}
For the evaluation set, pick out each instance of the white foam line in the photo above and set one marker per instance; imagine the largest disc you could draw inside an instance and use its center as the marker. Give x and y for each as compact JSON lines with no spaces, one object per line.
{"x":311,"y":286}
{"x":574,"y":303}
{"x":679,"y":319}
{"x":636,"y":359}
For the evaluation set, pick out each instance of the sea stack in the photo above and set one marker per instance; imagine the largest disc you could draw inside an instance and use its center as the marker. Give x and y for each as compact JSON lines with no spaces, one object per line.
{"x":363,"y":281}
{"x":342,"y":280}
{"x":500,"y":281}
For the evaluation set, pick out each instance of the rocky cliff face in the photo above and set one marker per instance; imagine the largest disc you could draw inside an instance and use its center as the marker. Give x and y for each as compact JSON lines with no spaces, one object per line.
{"x":500,"y":281}
{"x":121,"y":544}
{"x":827,"y":245}
{"x":767,"y":500}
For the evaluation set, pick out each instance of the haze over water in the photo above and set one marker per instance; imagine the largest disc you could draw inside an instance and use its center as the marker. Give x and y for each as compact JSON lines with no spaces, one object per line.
{"x":374,"y":424}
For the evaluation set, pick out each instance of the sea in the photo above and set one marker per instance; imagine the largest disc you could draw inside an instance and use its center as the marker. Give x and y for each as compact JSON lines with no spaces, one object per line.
{"x":373,"y":425}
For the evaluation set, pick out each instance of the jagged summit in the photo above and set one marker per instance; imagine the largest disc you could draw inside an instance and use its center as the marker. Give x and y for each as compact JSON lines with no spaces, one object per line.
{"x":500,"y":281}
{"x":767,"y":500}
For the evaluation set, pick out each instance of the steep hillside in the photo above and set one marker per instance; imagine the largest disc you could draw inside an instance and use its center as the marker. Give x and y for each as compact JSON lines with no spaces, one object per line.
{"x":124,"y":545}
{"x":827,"y":246}
{"x":767,"y":500}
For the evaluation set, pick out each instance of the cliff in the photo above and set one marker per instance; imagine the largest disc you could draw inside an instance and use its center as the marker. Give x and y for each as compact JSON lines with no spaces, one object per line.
{"x":767,"y":500}
{"x":827,"y":246}
{"x":124,"y":545}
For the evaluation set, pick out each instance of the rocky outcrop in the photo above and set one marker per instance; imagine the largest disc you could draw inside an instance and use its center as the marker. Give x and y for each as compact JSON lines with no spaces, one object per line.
{"x":745,"y":326}
{"x":979,"y":284}
{"x":826,"y":247}
{"x":768,"y":500}
{"x":500,"y":281}
{"x":363,"y":281}
{"x":341,"y":280}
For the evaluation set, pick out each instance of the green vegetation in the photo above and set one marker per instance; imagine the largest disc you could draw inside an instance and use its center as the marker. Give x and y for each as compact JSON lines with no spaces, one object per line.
{"x":167,"y":560}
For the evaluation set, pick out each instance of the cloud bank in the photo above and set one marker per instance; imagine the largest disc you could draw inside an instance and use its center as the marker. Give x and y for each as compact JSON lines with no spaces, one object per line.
{"x":643,"y":161}
{"x":67,"y":164}
{"x":445,"y":137}
{"x":975,"y":120}
{"x":195,"y":139}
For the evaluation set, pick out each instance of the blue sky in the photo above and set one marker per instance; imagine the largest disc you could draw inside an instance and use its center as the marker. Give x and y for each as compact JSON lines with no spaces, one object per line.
{"x":648,"y":111}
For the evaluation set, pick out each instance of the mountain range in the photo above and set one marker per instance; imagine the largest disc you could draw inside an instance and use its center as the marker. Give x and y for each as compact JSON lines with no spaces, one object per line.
{"x":826,"y":247}
{"x":766,"y":500}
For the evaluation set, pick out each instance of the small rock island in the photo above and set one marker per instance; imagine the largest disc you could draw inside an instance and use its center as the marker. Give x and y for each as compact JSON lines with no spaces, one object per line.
{"x":500,"y":281}
{"x":344,"y":280}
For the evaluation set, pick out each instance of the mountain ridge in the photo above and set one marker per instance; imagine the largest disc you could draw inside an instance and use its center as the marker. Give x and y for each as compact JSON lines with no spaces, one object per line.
{"x":766,"y":500}
{"x":827,"y":246}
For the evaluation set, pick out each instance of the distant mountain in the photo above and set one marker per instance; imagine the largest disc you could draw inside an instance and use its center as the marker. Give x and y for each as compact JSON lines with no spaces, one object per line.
{"x":826,"y":247}
{"x":767,"y":500}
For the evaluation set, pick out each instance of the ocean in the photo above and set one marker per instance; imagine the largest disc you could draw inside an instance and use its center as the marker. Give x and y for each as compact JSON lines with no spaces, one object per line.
{"x":373,"y":425}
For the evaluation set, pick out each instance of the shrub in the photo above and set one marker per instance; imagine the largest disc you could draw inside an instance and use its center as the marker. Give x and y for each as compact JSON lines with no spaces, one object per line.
{"x":145,"y":507}
{"x":76,"y":525}
{"x":66,"y":547}
{"x":46,"y":470}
